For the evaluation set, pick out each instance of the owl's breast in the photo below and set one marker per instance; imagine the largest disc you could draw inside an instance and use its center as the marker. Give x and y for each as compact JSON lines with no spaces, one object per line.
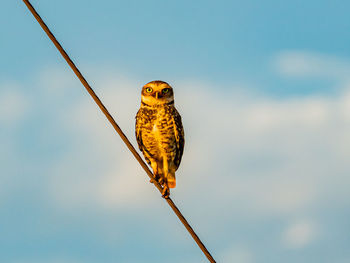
{"x":158,"y":135}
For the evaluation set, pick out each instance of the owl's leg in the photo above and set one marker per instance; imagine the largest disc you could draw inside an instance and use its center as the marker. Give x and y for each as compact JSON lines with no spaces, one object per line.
{"x":166,"y":191}
{"x":154,"y":166}
{"x":161,"y":180}
{"x":157,"y":172}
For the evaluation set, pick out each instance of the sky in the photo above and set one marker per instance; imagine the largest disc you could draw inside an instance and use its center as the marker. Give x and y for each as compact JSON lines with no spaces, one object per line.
{"x":263,"y":88}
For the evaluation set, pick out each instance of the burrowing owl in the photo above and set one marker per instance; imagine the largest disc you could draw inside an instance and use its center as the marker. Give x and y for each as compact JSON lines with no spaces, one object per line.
{"x":159,"y":132}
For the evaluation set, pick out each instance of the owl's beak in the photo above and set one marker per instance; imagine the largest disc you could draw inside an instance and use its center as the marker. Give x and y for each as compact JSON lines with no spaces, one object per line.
{"x":157,"y":93}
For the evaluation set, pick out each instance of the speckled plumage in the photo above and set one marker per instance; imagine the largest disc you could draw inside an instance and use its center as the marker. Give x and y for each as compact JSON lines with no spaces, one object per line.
{"x":159,"y":132}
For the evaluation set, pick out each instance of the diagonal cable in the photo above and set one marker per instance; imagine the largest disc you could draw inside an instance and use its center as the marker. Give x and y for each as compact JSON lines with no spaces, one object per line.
{"x":117,"y":128}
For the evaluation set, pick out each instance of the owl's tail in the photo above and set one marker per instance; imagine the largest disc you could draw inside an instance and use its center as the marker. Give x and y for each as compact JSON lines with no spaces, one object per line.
{"x":171,"y":180}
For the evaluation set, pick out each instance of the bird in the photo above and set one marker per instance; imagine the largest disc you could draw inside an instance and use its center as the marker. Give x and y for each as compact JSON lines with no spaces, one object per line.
{"x":159,"y":133}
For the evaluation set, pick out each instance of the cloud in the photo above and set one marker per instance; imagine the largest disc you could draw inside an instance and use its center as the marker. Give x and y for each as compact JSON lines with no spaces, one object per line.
{"x":269,"y":152}
{"x":15,"y":107}
{"x":299,"y":234}
{"x":296,"y":63}
{"x":249,"y":159}
{"x":118,"y":181}
{"x":13,"y":104}
{"x":48,"y":261}
{"x":237,"y":254}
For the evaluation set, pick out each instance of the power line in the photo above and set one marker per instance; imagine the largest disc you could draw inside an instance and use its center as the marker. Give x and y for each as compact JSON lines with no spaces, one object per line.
{"x":117,"y":128}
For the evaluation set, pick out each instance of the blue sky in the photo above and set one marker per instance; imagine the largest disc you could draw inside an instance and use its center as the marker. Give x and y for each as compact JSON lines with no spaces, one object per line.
{"x":264,"y":92}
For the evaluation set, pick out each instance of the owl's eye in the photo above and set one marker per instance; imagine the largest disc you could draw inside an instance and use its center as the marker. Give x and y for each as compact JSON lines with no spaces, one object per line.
{"x":166,"y":90}
{"x":149,"y":90}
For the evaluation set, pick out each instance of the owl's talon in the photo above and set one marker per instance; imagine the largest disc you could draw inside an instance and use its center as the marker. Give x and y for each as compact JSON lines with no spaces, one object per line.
{"x":154,"y":180}
{"x":166,"y":192}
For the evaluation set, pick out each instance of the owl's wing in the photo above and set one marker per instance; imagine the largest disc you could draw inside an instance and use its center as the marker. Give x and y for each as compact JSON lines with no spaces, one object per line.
{"x":138,"y":133}
{"x":138,"y":130}
{"x":179,"y":137}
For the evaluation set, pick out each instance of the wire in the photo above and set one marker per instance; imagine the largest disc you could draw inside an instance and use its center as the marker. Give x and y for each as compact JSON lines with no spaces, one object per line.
{"x":117,"y":128}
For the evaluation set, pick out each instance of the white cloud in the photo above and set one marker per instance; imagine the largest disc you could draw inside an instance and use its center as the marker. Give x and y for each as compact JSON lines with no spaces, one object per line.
{"x":274,"y":155}
{"x":59,"y":260}
{"x":237,"y":254}
{"x":129,"y":189}
{"x":14,"y":105}
{"x":309,"y":64}
{"x":248,"y":157}
{"x":118,"y":180}
{"x":299,"y":234}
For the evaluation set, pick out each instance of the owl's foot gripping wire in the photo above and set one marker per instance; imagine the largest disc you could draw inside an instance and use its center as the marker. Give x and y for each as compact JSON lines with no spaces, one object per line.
{"x":162,"y":182}
{"x":158,"y":179}
{"x":166,"y":191}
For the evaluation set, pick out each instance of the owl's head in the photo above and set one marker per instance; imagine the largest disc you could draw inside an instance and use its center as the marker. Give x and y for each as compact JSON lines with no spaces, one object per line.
{"x":157,"y":93}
